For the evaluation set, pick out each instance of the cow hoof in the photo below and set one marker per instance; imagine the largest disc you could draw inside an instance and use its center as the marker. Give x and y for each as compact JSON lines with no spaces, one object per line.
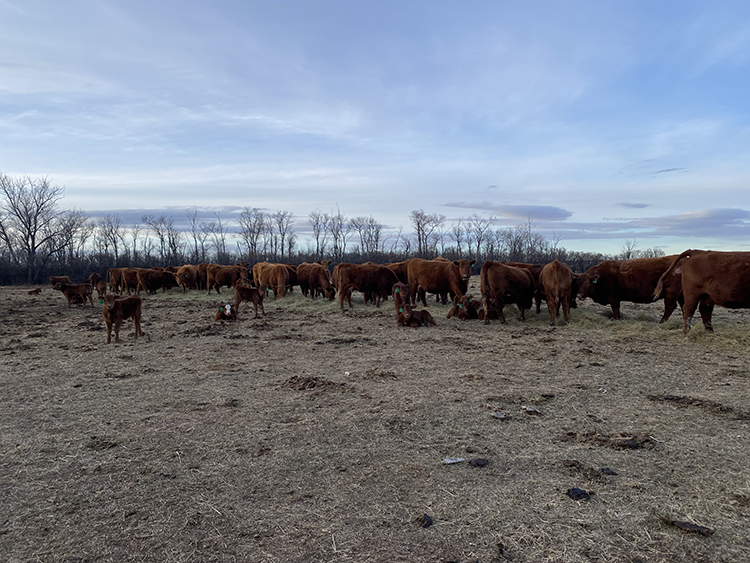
{"x":551,"y":324}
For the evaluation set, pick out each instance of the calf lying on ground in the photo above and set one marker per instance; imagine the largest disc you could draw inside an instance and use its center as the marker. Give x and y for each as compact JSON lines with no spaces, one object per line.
{"x":226,"y":312}
{"x":76,"y":293}
{"x":464,"y":308}
{"x":117,"y":310}
{"x":244,"y":292}
{"x":407,"y":317}
{"x":36,"y":291}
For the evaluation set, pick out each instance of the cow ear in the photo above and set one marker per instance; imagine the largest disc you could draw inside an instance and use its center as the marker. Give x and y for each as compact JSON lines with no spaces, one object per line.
{"x":456,"y":263}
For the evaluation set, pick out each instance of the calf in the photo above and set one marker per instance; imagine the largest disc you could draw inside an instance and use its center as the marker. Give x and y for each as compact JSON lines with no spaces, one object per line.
{"x":36,"y":291}
{"x":226,"y":312}
{"x":556,"y":279}
{"x":464,"y":308}
{"x":415,"y":318}
{"x":402,"y":295}
{"x":76,"y":293}
{"x":244,"y":292}
{"x":117,"y":310}
{"x":101,"y":289}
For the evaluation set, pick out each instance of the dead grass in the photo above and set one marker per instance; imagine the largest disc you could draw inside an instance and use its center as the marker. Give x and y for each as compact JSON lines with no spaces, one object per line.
{"x":316,"y":435}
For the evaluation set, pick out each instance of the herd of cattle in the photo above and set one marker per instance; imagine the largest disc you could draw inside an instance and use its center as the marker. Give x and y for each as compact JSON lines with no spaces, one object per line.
{"x":694,"y":279}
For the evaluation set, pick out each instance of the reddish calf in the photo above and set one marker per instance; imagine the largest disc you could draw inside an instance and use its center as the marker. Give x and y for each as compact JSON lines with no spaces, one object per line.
{"x":117,"y":310}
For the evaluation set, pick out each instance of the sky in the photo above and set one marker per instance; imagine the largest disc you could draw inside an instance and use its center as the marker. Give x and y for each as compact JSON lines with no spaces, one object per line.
{"x":600,"y":122}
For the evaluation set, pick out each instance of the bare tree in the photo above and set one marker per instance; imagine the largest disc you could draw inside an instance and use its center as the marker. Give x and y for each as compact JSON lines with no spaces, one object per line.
{"x":424,"y":226}
{"x":480,"y":230}
{"x":339,"y":228}
{"x":629,"y":249}
{"x":319,"y":223}
{"x":195,"y":232}
{"x":30,"y":221}
{"x":458,"y":234}
{"x":217,"y":232}
{"x":252,"y":225}
{"x":370,"y":232}
{"x":110,"y":229}
{"x":283,"y":222}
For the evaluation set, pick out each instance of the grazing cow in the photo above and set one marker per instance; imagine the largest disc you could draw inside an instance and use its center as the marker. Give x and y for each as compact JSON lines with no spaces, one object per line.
{"x":612,"y":281}
{"x":244,"y":292}
{"x":556,"y":279}
{"x":36,"y":291}
{"x":117,"y":310}
{"x":314,"y":278}
{"x":709,"y":278}
{"x":226,"y":312}
{"x":101,"y":289}
{"x":54,"y":280}
{"x":437,"y":276}
{"x":223,"y":275}
{"x":501,"y":285}
{"x":151,"y":281}
{"x":78,"y":293}
{"x":464,"y":308}
{"x":415,"y":318}
{"x":187,"y":277}
{"x":367,"y":278}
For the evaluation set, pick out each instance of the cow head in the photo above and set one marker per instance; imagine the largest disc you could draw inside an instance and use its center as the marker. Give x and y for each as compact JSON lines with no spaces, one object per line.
{"x":587,"y":282}
{"x":464,"y":267}
{"x":109,"y":301}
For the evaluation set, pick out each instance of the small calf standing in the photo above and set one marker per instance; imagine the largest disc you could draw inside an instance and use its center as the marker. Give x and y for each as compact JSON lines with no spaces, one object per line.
{"x":244,"y":292}
{"x":226,"y":312}
{"x":117,"y":310}
{"x":76,"y":293}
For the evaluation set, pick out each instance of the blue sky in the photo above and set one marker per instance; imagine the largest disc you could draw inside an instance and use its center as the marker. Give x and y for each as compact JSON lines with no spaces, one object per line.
{"x":600,"y":121}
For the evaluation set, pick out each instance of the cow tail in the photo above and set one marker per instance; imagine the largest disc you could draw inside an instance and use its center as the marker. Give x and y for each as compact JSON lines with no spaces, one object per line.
{"x":660,"y":286}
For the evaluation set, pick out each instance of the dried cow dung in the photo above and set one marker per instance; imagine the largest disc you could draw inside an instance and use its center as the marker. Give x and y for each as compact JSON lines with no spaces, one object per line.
{"x":425,"y":521}
{"x":687,"y":526}
{"x":478,"y":462}
{"x":578,"y":494}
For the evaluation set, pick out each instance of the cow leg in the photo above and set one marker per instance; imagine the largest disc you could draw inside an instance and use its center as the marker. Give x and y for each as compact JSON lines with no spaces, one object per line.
{"x":565,"y":307}
{"x":706,"y":308}
{"x":422,"y":296}
{"x":615,"y":309}
{"x":553,"y":307}
{"x":670,"y":304}
{"x":109,"y":331}
{"x":118,"y":324}
{"x":137,"y":323}
{"x":691,"y":304}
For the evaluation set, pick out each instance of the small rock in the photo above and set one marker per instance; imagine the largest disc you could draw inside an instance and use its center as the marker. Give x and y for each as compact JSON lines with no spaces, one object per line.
{"x":607,"y":471}
{"x":452,"y":460}
{"x":478,"y":462}
{"x":530,"y":410}
{"x":578,"y":494}
{"x":425,"y":521}
{"x":499,"y":415}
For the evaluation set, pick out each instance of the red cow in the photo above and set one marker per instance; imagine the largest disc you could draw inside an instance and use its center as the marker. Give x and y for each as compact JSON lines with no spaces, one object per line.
{"x":501,"y":285}
{"x":54,"y":280}
{"x":187,"y":277}
{"x":243,"y":291}
{"x":556,"y":279}
{"x":709,"y":278}
{"x":437,"y":276}
{"x":117,"y":310}
{"x":415,"y":318}
{"x":217,"y":276}
{"x":464,"y":308}
{"x":612,"y":281}
{"x":366,"y":278}
{"x":76,"y":293}
{"x":314,"y":278}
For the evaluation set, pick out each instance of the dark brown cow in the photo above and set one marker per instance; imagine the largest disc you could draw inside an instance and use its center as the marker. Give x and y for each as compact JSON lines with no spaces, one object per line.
{"x":226,"y":312}
{"x":54,"y":280}
{"x":243,"y":291}
{"x":502,"y":285}
{"x":202,"y":279}
{"x":709,"y":278}
{"x":77,"y":293}
{"x":556,"y":280}
{"x":223,"y":275}
{"x":366,"y":278}
{"x":534,"y":270}
{"x":464,"y":308}
{"x":187,"y":277}
{"x":415,"y":318}
{"x":437,"y":276}
{"x":114,"y":275}
{"x":154,"y":279}
{"x":400,"y":269}
{"x":94,"y":278}
{"x":612,"y":281}
{"x":314,"y":278}
{"x":117,"y":310}
{"x":101,"y":289}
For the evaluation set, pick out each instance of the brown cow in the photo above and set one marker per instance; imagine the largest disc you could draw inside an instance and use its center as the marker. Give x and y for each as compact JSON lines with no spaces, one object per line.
{"x":76,"y":293}
{"x":534,"y":270}
{"x":94,"y":278}
{"x":150,"y":281}
{"x":314,"y":278}
{"x":187,"y":277}
{"x":117,"y":310}
{"x":556,"y":280}
{"x":464,"y":308}
{"x":202,"y":279}
{"x":217,"y":276}
{"x":366,"y":278}
{"x":272,"y":276}
{"x":101,"y":289}
{"x":36,"y":291}
{"x":415,"y":318}
{"x":54,"y":280}
{"x":401,"y":296}
{"x":243,"y":291}
{"x":128,"y":280}
{"x":400,"y":269}
{"x":437,"y":276}
{"x":612,"y":281}
{"x":114,"y":275}
{"x":709,"y":278}
{"x":226,"y":312}
{"x":501,"y":285}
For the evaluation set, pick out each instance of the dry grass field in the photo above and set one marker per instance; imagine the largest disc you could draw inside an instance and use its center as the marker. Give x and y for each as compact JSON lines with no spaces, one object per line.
{"x":313,"y":435}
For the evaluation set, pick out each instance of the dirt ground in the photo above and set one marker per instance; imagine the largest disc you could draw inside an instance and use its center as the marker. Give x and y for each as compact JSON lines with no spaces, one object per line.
{"x":315,"y":435}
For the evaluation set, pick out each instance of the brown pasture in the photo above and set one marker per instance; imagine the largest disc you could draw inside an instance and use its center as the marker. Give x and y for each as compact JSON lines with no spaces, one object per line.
{"x":312,"y":434}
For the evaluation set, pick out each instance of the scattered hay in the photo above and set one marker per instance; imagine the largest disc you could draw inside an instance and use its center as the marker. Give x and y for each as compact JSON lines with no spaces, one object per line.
{"x":303,"y":383}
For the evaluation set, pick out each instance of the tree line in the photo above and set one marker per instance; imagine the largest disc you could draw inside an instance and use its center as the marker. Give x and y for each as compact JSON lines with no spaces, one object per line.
{"x":39,"y":238}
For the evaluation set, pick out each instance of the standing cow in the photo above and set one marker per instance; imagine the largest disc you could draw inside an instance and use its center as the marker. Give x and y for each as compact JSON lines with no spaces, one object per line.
{"x":709,"y":278}
{"x":439,"y":276}
{"x":556,"y":280}
{"x":501,"y":285}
